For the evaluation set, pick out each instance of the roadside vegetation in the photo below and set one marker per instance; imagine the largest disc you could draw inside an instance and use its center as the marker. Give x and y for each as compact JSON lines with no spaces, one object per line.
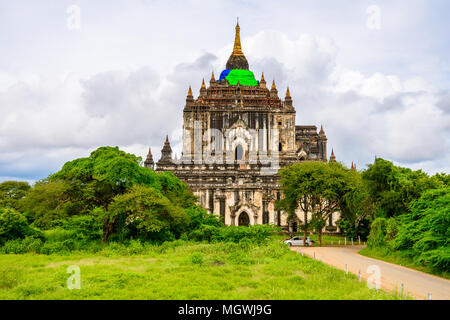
{"x":403,"y":215}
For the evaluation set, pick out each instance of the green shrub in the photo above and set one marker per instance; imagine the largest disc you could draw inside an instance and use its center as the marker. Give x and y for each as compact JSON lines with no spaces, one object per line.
{"x":204,"y":233}
{"x":240,"y":257}
{"x":26,"y":245}
{"x":255,"y":234}
{"x":438,"y":259}
{"x":13,"y":225}
{"x":84,"y":226}
{"x":59,"y":234}
{"x":197,"y":258}
{"x":57,"y":247}
{"x":135,"y":247}
{"x":377,"y":236}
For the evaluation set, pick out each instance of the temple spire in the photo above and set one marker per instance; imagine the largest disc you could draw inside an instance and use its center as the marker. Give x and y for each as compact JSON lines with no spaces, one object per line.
{"x":332,"y":157}
{"x":321,"y":132}
{"x":203,"y":88}
{"x":288,"y":94}
{"x":166,"y":152}
{"x":237,"y":59}
{"x":237,"y":49}
{"x":148,"y":163}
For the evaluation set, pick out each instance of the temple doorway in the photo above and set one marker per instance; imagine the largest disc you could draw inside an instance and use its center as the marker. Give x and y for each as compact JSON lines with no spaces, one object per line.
{"x":244,"y":220}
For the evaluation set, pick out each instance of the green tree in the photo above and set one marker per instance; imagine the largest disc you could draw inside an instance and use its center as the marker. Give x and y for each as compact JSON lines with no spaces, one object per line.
{"x":357,"y":209}
{"x":49,"y":201}
{"x":14,"y":225}
{"x":393,"y":188}
{"x":11,"y":192}
{"x":145,"y":212}
{"x":86,"y":184}
{"x":317,"y":188}
{"x":106,"y":173}
{"x":425,"y":231}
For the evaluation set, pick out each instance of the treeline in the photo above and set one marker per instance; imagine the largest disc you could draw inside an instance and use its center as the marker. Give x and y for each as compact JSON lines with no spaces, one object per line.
{"x":106,"y":197}
{"x":412,"y":214}
{"x":396,"y":209}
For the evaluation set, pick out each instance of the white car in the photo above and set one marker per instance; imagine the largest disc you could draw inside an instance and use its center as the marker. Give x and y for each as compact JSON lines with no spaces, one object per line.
{"x":298,"y":241}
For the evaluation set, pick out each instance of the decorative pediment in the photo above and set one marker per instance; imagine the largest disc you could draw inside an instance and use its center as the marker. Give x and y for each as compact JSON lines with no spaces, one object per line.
{"x":243,"y":203}
{"x":302,"y":155}
{"x":239,"y":124}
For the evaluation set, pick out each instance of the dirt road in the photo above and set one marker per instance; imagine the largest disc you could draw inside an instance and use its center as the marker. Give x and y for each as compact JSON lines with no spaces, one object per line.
{"x":417,"y":284}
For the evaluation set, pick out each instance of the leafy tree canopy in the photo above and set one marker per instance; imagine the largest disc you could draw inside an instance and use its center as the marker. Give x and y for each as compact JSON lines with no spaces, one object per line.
{"x":317,"y":188}
{"x":393,"y":188}
{"x":14,"y":225}
{"x":11,"y":192}
{"x":145,"y":213}
{"x":423,"y":233}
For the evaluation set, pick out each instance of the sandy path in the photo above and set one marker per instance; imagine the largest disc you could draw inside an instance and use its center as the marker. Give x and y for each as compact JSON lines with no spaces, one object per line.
{"x":416,"y":283}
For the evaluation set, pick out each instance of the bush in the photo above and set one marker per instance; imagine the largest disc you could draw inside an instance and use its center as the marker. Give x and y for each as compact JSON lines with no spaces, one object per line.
{"x":59,"y":234}
{"x":204,"y":233}
{"x":26,"y":245}
{"x":377,"y":236}
{"x":256,"y":234}
{"x":438,"y":259}
{"x":197,"y":258}
{"x":65,"y":247}
{"x":84,"y":226}
{"x":13,"y":225}
{"x":252,"y":234}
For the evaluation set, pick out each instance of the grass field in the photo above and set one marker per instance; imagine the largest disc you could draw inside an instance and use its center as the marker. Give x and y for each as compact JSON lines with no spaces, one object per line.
{"x":187,"y":271}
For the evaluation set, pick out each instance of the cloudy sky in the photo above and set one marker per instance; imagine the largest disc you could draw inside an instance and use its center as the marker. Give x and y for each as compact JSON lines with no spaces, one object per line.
{"x":76,"y":75}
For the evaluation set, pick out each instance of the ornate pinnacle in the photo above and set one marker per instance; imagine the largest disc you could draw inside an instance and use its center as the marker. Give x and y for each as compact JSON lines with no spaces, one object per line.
{"x":237,"y":49}
{"x":212,"y":77}
{"x":190,"y":92}
{"x":262,"y":77}
{"x":203,"y":84}
{"x":148,"y":163}
{"x":332,"y":157}
{"x":321,"y":132}
{"x":288,"y":94}
{"x":273,"y":85}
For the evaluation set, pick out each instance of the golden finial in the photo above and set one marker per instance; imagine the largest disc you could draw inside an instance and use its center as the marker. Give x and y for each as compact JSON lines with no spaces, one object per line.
{"x":190,"y":92}
{"x":288,"y":94}
{"x":273,"y":85}
{"x":262,"y":77}
{"x":237,"y":49}
{"x":203,"y":84}
{"x":212,"y":77}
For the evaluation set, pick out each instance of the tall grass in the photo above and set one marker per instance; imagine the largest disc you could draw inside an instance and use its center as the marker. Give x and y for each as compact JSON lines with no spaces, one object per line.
{"x":180,"y":270}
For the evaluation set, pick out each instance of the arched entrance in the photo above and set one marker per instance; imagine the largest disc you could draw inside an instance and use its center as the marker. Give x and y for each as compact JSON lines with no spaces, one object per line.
{"x":294,"y":227}
{"x":238,"y":153}
{"x":244,"y":220}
